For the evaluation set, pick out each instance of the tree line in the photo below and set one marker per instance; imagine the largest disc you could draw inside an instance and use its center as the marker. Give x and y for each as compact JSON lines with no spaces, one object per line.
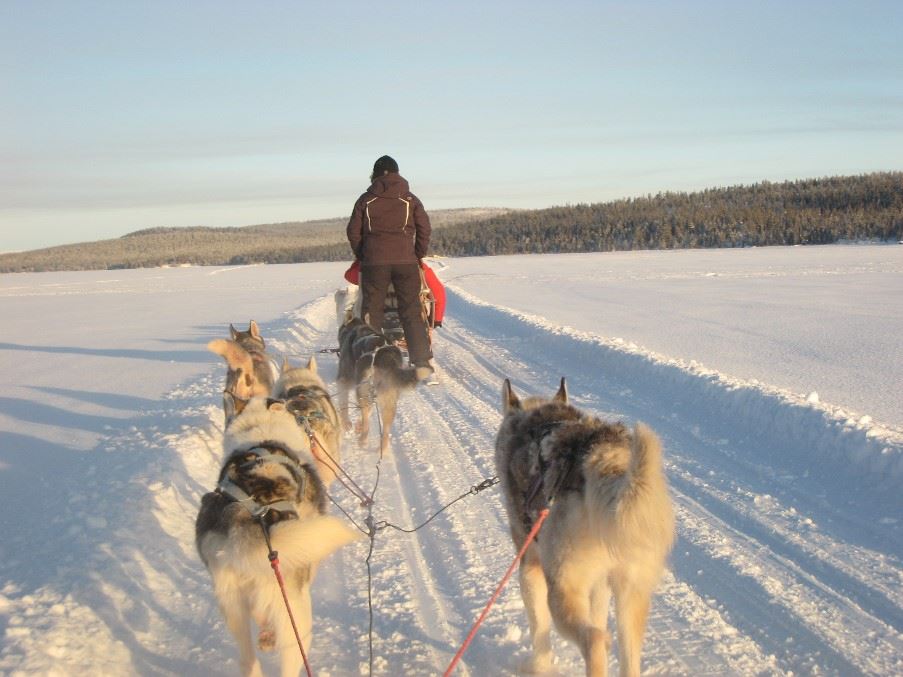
{"x":816,"y":211}
{"x":812,"y":211}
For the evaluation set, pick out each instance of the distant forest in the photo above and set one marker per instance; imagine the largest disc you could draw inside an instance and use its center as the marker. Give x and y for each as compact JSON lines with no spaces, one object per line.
{"x":816,"y":211}
{"x":813,"y":211}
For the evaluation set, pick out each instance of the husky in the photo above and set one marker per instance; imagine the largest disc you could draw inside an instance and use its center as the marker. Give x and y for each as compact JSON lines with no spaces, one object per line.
{"x":374,"y":367}
{"x":609,"y":530}
{"x":268,"y":481}
{"x":307,"y":399}
{"x":250,"y":372}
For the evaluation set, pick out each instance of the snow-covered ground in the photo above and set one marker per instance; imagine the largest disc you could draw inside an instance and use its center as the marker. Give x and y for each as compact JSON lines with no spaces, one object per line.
{"x":772,"y":375}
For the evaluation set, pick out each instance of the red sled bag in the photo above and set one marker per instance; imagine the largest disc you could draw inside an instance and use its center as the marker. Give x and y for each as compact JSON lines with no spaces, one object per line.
{"x":353,"y":275}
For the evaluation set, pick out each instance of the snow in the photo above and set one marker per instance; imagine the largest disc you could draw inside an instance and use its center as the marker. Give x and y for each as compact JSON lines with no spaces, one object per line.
{"x":772,"y":375}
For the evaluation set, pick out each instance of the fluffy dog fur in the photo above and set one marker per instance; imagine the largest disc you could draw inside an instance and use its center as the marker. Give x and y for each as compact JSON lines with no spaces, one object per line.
{"x":306,"y":397}
{"x":609,"y":530}
{"x":232,"y":546}
{"x":373,"y":367}
{"x":250,"y":373}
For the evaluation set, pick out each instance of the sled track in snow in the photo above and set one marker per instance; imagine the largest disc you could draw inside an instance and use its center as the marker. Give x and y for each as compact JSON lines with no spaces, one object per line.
{"x":769,"y":575}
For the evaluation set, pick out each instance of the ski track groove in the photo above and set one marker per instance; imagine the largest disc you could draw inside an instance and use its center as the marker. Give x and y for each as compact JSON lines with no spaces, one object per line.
{"x":810,"y":602}
{"x":455,"y":565}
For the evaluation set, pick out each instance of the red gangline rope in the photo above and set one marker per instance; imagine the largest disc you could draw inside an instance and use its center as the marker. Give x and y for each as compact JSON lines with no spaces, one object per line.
{"x":337,"y":468}
{"x":473,"y":631}
{"x":274,"y":562}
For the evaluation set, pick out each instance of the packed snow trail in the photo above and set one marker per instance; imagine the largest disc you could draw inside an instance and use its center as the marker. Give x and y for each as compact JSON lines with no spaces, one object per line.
{"x":788,"y":558}
{"x":768,"y":575}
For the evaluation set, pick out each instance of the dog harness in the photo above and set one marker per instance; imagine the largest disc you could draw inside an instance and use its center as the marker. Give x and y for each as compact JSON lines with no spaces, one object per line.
{"x":319,"y":396}
{"x":283,"y":509}
{"x":565,"y":482}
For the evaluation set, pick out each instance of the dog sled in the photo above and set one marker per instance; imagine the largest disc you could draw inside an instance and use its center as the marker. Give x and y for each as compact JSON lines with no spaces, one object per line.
{"x":432,"y":303}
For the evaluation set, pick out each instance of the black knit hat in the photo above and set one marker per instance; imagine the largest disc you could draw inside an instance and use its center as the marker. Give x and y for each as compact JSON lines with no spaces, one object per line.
{"x":383,"y":165}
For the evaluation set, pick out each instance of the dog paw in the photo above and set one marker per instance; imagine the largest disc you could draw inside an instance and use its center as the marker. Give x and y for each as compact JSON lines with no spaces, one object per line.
{"x":266,"y":640}
{"x":536,"y":665}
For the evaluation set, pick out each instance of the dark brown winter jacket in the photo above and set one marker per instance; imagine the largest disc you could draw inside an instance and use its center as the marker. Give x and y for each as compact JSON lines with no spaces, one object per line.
{"x":389,"y":224}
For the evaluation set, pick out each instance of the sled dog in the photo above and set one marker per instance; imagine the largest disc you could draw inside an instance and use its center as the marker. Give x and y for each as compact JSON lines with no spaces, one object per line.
{"x":307,"y":399}
{"x":374,"y":368}
{"x":609,"y":530}
{"x":269,"y":479}
{"x":250,"y":374}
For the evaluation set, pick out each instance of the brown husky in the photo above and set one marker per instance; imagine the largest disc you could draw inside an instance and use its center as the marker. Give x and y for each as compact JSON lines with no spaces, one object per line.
{"x":250,"y":373}
{"x":609,"y":530}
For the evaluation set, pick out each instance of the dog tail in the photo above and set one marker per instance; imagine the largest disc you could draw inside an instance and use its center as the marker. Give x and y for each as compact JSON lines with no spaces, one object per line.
{"x":627,"y":494}
{"x":307,"y":541}
{"x":242,"y":368}
{"x":236,"y":356}
{"x":648,"y":507}
{"x":646,"y":458}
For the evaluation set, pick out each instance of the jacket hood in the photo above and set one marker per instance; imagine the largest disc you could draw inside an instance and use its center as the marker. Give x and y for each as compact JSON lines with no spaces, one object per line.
{"x":389,"y":185}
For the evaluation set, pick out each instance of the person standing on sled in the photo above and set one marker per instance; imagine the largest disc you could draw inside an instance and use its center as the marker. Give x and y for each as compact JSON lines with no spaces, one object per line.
{"x":389,"y":233}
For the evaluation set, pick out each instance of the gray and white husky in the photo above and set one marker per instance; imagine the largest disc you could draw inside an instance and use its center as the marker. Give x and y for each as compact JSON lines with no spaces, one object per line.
{"x":307,"y":399}
{"x":269,"y":480}
{"x":609,"y":530}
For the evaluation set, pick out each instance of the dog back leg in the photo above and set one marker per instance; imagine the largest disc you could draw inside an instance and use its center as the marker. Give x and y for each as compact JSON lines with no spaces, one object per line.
{"x":238,"y":620}
{"x":290,"y":655}
{"x":342,"y":398}
{"x":600,"y":599}
{"x":535,"y":595}
{"x":365,"y":402}
{"x":388,"y":405}
{"x":632,"y":610}
{"x":569,"y":600}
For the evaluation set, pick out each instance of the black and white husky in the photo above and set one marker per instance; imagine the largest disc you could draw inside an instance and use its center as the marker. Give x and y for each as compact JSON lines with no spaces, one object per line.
{"x":374,"y":367}
{"x":609,"y":530}
{"x":268,"y":481}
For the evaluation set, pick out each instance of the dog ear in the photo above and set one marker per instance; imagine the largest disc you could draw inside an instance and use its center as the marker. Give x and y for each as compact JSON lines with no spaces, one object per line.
{"x":562,"y":394}
{"x":510,"y":401}
{"x":254,"y":329}
{"x":312,"y":364}
{"x":233,"y":332}
{"x":285,"y":365}
{"x":275,"y":405}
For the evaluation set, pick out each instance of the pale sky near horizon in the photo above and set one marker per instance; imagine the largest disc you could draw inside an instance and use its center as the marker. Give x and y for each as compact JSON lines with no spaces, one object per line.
{"x":118,"y":116}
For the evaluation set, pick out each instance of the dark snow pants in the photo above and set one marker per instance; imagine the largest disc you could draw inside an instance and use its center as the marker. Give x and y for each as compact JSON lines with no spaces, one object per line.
{"x":405,"y":278}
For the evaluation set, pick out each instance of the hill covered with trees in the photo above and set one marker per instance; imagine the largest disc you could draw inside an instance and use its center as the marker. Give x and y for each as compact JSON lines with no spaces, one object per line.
{"x":812,"y":211}
{"x":269,"y":243}
{"x":816,"y":211}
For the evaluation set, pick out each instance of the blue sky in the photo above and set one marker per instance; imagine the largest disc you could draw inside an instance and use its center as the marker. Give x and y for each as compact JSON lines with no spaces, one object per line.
{"x":121,"y":115}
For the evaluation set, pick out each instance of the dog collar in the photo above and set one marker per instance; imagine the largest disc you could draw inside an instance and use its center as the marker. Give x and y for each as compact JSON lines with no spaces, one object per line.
{"x":228,"y":488}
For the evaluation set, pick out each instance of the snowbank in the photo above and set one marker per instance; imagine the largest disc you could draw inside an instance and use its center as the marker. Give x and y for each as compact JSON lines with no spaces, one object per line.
{"x":816,"y":431}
